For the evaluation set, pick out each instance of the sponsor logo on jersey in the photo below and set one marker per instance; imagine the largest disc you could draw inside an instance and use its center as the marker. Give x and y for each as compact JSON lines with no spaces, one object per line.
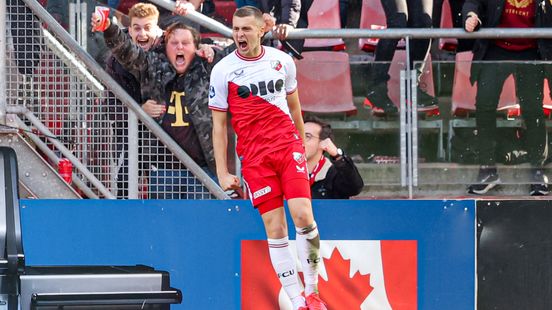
{"x":261,"y":88}
{"x":263,"y":191}
{"x":300,"y":169}
{"x":298,"y":157}
{"x":276,"y":65}
{"x":211,"y":91}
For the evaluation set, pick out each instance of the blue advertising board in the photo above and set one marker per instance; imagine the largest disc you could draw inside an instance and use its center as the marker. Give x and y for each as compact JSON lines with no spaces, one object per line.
{"x":199,"y":242}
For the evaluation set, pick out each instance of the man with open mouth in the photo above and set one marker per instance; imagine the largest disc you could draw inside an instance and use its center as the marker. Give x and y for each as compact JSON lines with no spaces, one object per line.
{"x":175,"y":81}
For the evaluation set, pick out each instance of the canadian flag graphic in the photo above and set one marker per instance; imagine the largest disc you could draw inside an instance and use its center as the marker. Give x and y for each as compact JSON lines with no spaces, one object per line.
{"x":364,"y":274}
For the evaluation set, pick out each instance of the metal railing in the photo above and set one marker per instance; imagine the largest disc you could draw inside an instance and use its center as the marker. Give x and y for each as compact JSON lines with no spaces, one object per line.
{"x":68,"y":92}
{"x":84,"y":108}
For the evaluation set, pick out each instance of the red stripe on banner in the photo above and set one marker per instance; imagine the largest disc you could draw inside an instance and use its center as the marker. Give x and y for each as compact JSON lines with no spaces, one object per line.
{"x":399,"y":259}
{"x":259,"y":284}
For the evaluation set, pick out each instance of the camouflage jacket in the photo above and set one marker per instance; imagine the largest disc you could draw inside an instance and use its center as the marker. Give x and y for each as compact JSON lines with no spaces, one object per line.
{"x":155,"y":72}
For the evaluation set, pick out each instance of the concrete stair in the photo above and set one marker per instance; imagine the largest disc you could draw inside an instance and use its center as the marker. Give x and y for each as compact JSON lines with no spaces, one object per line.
{"x":441,"y":181}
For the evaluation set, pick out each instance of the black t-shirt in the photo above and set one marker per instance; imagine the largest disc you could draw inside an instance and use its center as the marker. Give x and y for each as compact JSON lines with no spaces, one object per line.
{"x":177,"y":121}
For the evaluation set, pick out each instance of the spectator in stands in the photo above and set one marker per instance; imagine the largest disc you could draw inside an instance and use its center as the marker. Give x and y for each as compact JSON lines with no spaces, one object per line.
{"x":335,"y":179}
{"x":286,"y":15}
{"x":529,"y":78}
{"x":145,"y":33}
{"x":95,"y":45}
{"x":456,"y":14}
{"x":399,"y":14}
{"x":171,"y":75}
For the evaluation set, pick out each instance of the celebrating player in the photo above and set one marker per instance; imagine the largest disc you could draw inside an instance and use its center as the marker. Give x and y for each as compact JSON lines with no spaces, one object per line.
{"x":257,"y":85}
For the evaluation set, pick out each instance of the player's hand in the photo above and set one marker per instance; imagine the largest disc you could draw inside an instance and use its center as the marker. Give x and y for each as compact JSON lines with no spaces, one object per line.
{"x":281,"y":31}
{"x":182,"y":7}
{"x":96,"y":22}
{"x":206,"y":51}
{"x":471,"y":22}
{"x":153,"y":109}
{"x":329,"y":147}
{"x":229,"y":181}
{"x":269,"y":22}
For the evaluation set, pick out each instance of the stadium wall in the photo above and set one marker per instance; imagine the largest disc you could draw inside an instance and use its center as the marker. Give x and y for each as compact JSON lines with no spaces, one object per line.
{"x":396,"y":254}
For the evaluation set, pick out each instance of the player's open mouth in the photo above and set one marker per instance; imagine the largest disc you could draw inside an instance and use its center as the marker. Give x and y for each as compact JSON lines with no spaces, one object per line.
{"x":180,"y":59}
{"x":242,"y":45}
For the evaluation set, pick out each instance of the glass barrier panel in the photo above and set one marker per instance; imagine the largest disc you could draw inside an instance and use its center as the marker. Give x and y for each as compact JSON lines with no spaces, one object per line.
{"x":360,"y":99}
{"x":493,"y":132}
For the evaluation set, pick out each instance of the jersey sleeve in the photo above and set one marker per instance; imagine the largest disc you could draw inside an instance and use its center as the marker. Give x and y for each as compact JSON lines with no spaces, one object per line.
{"x":218,"y":91}
{"x":291,"y":75}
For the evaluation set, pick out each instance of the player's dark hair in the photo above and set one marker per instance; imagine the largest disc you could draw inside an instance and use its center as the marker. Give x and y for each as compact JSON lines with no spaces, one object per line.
{"x":180,"y":25}
{"x":248,"y":10}
{"x":326,"y":129}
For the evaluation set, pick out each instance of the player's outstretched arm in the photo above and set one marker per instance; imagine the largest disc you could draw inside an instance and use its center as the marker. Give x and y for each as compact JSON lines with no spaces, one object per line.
{"x":220,"y":144}
{"x":295,"y":110}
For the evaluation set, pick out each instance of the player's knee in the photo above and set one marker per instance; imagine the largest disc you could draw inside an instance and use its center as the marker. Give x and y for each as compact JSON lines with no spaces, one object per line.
{"x":276,"y":230}
{"x":301,"y":212}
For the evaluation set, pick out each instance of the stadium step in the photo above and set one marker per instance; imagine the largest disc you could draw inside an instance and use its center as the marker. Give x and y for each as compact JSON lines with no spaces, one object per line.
{"x":446,"y":180}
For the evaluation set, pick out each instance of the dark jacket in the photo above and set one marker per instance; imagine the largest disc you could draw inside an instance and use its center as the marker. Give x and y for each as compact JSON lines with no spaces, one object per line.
{"x":490,"y":12}
{"x":285,"y":11}
{"x":337,"y":180}
{"x":155,"y":73}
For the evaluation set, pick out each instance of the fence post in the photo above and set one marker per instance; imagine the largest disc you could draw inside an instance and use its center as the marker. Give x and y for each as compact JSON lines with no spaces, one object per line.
{"x":3,"y":77}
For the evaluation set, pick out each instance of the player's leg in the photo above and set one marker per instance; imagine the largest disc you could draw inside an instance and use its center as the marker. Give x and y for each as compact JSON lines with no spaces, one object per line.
{"x":296,"y":189}
{"x":266,"y":195}
{"x":308,"y":244}
{"x":283,"y":262}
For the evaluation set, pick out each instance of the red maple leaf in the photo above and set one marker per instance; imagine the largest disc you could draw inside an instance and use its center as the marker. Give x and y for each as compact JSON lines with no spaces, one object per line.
{"x":342,"y":292}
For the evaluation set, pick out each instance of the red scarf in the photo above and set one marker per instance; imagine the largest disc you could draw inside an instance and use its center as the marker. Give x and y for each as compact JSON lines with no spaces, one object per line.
{"x":317,"y":169}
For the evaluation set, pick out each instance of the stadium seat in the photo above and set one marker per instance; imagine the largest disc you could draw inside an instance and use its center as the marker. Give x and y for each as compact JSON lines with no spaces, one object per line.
{"x":447,"y":44}
{"x":324,"y":81}
{"x":547,"y":100}
{"x":426,"y":80}
{"x":372,"y":16}
{"x":225,"y":10}
{"x":463,"y":93}
{"x":324,"y":14}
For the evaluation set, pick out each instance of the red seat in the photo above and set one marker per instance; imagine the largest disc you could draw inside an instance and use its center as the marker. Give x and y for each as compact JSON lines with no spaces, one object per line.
{"x":225,"y":10}
{"x":372,"y":16}
{"x":547,"y":100}
{"x":393,"y":85}
{"x":324,"y":81}
{"x":447,"y":44}
{"x":463,"y":93}
{"x":324,"y":14}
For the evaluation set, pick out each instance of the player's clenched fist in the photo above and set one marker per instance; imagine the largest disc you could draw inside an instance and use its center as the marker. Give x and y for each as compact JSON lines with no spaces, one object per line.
{"x":229,"y":181}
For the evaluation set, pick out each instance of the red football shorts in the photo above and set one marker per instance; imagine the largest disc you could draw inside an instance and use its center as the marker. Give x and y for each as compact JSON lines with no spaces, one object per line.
{"x":280,"y":174}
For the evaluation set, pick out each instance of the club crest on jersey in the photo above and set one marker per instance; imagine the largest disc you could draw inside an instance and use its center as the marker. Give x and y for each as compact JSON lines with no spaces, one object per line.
{"x":298,"y":157}
{"x":211,"y":92}
{"x":276,"y":65}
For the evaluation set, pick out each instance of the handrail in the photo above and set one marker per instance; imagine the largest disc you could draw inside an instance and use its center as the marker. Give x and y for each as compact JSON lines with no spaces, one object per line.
{"x":125,"y":98}
{"x":198,"y":18}
{"x":421,"y":33}
{"x":413,"y":33}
